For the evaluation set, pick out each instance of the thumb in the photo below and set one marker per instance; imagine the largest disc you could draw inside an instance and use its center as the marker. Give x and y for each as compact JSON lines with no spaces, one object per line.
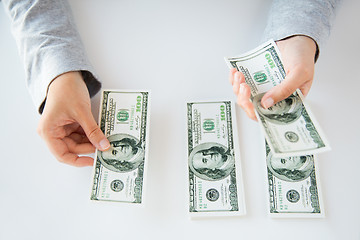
{"x":281,"y":91}
{"x":93,"y":132}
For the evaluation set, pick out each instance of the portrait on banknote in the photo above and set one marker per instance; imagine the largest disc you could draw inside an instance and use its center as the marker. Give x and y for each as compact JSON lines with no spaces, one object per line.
{"x":126,"y":153}
{"x":211,"y":161}
{"x":291,"y":169}
{"x":283,"y":112}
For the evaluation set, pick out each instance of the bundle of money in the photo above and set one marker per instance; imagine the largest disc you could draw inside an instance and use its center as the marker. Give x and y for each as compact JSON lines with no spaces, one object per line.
{"x":292,"y":136}
{"x":215,"y":180}
{"x":214,"y":169}
{"x":118,"y":174}
{"x":289,"y":127}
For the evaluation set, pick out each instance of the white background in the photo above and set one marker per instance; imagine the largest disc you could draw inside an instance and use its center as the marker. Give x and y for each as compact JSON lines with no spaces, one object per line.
{"x":176,"y":49}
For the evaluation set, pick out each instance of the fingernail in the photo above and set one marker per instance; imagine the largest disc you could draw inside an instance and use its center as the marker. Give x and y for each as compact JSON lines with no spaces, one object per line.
{"x":104,"y":144}
{"x":268,"y":102}
{"x":242,"y":88}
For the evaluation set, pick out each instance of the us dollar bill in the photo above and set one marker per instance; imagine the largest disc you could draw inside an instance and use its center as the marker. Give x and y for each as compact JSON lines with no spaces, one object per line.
{"x":293,"y":186}
{"x":118,"y":174}
{"x":215,"y":181}
{"x":288,"y":126}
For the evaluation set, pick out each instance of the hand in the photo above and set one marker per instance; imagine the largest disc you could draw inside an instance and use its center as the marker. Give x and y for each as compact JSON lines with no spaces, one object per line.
{"x":298,"y":53}
{"x":67,"y":124}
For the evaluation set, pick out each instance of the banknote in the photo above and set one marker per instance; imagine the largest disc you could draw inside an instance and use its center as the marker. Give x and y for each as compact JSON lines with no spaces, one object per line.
{"x":293,"y":186}
{"x":214,"y":170}
{"x":118,"y":174}
{"x":289,"y":126}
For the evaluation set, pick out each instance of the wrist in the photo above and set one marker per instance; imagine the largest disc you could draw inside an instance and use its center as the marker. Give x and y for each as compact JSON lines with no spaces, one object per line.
{"x":304,"y":42}
{"x":63,"y":85}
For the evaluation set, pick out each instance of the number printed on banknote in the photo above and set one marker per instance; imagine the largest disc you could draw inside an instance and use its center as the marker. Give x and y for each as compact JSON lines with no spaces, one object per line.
{"x":293,"y":186}
{"x":215,"y":181}
{"x":119,"y":172}
{"x":288,"y":126}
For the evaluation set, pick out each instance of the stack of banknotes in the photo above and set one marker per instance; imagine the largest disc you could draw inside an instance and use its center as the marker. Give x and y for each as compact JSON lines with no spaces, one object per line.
{"x":215,"y":181}
{"x":215,"y":186}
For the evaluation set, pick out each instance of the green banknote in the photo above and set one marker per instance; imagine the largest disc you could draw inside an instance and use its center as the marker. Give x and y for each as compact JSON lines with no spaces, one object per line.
{"x":288,"y":126}
{"x":215,"y":181}
{"x":118,"y":174}
{"x":293,"y":186}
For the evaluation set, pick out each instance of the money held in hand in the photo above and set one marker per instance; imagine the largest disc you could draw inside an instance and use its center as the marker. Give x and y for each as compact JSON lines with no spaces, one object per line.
{"x":119,"y":171}
{"x":215,"y":181}
{"x":293,"y":186}
{"x":289,"y":127}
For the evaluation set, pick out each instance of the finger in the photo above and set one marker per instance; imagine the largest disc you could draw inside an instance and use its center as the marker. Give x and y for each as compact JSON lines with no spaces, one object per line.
{"x":61,"y":152}
{"x":306,"y":88}
{"x":231,"y":75}
{"x":70,"y":128}
{"x":79,"y":138}
{"x":244,"y":95}
{"x":77,"y":161}
{"x":244,"y":101}
{"x":74,"y":127}
{"x":242,"y":78}
{"x":78,"y":148}
{"x":293,"y":81}
{"x":83,"y":161}
{"x":92,"y":131}
{"x":80,"y":131}
{"x":236,"y":83}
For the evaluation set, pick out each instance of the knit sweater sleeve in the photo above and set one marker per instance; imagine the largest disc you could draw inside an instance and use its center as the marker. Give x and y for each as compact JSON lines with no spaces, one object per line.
{"x":312,"y":18}
{"x":49,"y":45}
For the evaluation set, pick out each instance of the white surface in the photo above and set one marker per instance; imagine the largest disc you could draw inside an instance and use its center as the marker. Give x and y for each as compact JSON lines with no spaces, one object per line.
{"x":176,"y":49}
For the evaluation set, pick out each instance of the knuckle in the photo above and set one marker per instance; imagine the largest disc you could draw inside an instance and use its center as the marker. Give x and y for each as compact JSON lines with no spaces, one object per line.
{"x":243,"y":101}
{"x":65,"y":159}
{"x":308,"y":72}
{"x":42,"y":128}
{"x":235,"y":90}
{"x":81,"y":110}
{"x":285,"y":91}
{"x":61,"y":160}
{"x":39,"y":131}
{"x":242,"y":78}
{"x":240,"y":103}
{"x":94,"y":132}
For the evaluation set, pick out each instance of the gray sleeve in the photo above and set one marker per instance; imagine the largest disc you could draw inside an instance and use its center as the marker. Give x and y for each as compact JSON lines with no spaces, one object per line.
{"x":49,"y":44}
{"x":312,"y":18}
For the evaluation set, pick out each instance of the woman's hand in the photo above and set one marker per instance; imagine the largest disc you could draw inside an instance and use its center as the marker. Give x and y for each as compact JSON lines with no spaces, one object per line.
{"x":298,"y":53}
{"x":67,"y":124}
